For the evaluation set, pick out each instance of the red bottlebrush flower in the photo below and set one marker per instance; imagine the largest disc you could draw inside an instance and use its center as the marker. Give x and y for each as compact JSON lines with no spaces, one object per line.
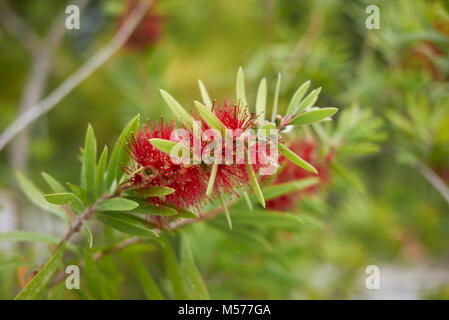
{"x":234,"y":117}
{"x":148,"y":32}
{"x":306,"y":149}
{"x":155,"y":168}
{"x":189,"y":182}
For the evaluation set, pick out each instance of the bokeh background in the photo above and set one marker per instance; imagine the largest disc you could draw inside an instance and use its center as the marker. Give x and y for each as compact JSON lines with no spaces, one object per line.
{"x":384,"y":210}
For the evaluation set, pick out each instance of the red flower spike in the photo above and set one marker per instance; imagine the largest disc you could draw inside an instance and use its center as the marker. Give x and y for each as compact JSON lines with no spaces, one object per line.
{"x":189,"y":182}
{"x":306,"y":149}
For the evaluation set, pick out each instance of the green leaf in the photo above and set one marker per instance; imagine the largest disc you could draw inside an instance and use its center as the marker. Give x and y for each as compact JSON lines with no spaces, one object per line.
{"x":296,"y":99}
{"x":186,"y":214}
{"x":205,"y":94}
{"x":177,"y":109}
{"x":126,"y":223}
{"x":32,"y":289}
{"x":226,"y":210}
{"x":240,"y":87}
{"x":117,"y":204}
{"x":60,"y":198}
{"x":167,"y":146}
{"x":348,"y":176}
{"x":213,"y":174}
{"x":146,"y":280}
{"x":276,"y":99}
{"x":54,"y":184}
{"x":36,"y":197}
{"x":209,"y":117}
{"x":89,"y":162}
{"x":153,"y":191}
{"x":25,"y":236}
{"x":255,"y":184}
{"x":101,"y":169}
{"x":267,"y":219}
{"x":313,"y":116}
{"x":261,"y":101}
{"x":309,"y":101}
{"x":88,"y":235}
{"x":147,"y":209}
{"x":93,"y":276}
{"x":277,"y":190}
{"x":28,"y":237}
{"x":293,"y":157}
{"x":190,"y":269}
{"x":173,"y":270}
{"x":120,"y":156}
{"x":80,"y":192}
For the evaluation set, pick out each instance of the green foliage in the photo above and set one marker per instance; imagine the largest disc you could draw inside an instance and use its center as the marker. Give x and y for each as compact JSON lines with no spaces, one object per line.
{"x":40,"y":280}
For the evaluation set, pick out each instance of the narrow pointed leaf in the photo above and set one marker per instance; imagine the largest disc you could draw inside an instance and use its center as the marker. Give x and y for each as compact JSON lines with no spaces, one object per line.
{"x":88,"y":235}
{"x":209,"y":117}
{"x":126,"y":223}
{"x":147,"y":209}
{"x":226,"y":210}
{"x":60,"y":198}
{"x":190,"y":269}
{"x":153,"y":191}
{"x":39,"y":281}
{"x":213,"y":174}
{"x":261,"y":101}
{"x":54,"y":184}
{"x":37,"y":197}
{"x":296,"y":99}
{"x":240,"y":87}
{"x":204,"y":94}
{"x":89,"y":161}
{"x":313,"y":116}
{"x":173,"y":270}
{"x":293,"y":157}
{"x":276,"y":99}
{"x":248,"y":200}
{"x":167,"y":146}
{"x":117,"y":204}
{"x":177,"y":109}
{"x":308,"y":101}
{"x":26,"y":236}
{"x":277,"y":190}
{"x":150,"y":287}
{"x":255,"y":184}
{"x":120,"y":156}
{"x":101,"y":169}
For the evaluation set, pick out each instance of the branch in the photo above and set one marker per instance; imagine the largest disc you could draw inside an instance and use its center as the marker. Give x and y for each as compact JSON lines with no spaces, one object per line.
{"x":435,"y":180}
{"x":134,"y":240}
{"x":17,"y":28}
{"x":37,"y":110}
{"x":37,"y":81}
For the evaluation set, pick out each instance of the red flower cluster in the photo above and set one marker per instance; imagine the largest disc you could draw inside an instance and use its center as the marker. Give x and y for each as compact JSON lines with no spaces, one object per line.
{"x":148,"y":32}
{"x":189,"y":181}
{"x":306,"y":149}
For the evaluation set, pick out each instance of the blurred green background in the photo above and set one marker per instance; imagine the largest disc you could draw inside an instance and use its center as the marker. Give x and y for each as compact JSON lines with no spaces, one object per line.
{"x":391,"y":215}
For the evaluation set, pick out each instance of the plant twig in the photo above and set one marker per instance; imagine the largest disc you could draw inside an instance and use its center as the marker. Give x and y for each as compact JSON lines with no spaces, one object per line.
{"x":434,"y":180}
{"x":38,"y":109}
{"x":134,"y":240}
{"x":17,"y":28}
